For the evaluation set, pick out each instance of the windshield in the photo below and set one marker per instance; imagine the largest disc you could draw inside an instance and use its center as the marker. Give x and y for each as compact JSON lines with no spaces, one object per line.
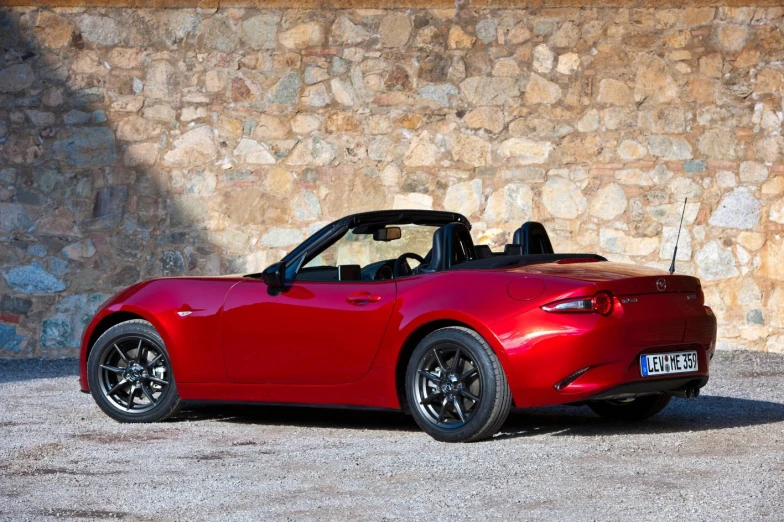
{"x":363,"y":250}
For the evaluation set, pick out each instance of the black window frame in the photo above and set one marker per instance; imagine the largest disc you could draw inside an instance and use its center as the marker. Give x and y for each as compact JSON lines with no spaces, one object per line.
{"x":333,"y":232}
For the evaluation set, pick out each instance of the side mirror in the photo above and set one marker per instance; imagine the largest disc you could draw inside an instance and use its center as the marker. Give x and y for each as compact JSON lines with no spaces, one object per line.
{"x":274,"y":275}
{"x":387,"y":234}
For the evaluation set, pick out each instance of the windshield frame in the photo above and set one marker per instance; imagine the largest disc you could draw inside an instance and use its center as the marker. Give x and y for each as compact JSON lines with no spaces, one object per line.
{"x":331,"y":233}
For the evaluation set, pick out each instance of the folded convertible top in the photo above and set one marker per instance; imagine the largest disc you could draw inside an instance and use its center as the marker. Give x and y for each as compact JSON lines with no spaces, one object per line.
{"x":505,"y":261}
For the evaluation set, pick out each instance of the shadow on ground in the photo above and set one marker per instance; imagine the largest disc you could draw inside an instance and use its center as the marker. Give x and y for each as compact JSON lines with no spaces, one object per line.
{"x":709,"y":412}
{"x":704,"y":413}
{"x":310,"y":417}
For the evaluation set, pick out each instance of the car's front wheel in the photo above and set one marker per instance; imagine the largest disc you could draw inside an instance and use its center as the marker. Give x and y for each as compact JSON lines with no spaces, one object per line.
{"x":455,"y":386}
{"x":130,"y":374}
{"x":632,"y":409}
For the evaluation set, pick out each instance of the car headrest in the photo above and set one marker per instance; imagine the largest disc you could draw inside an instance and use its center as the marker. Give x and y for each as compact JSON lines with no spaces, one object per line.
{"x":452,"y":245}
{"x":533,"y":238}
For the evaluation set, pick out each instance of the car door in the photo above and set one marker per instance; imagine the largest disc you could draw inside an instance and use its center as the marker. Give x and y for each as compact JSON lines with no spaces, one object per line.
{"x":311,"y":333}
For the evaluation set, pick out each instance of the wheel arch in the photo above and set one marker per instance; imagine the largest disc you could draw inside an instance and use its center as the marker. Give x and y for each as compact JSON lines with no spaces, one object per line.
{"x":106,"y":322}
{"x":414,"y":338}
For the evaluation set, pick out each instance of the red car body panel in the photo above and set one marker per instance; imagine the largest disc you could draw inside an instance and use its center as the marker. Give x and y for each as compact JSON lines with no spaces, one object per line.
{"x":310,"y":334}
{"x":314,"y":343}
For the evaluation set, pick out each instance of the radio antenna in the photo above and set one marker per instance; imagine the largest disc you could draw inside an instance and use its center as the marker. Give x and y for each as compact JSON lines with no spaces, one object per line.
{"x":675,"y":253}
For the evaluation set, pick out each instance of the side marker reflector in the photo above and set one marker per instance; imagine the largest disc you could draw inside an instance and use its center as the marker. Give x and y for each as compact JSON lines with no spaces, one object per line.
{"x":569,"y":379}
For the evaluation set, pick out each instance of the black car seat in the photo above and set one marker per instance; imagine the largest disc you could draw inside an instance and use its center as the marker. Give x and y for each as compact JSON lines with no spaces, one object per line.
{"x":452,"y":245}
{"x":531,"y":238}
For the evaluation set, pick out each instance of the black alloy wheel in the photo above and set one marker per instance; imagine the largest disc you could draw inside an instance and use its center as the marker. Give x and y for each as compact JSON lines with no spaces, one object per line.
{"x":448,"y":393}
{"x":455,"y":386}
{"x":130,"y":375}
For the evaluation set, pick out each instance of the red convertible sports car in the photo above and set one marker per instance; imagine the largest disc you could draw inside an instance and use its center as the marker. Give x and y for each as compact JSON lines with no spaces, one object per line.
{"x":400,"y":310}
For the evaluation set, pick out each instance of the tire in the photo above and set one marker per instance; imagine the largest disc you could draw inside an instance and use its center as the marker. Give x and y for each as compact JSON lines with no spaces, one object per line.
{"x":130,"y":376}
{"x":638,"y":409}
{"x":448,"y":367}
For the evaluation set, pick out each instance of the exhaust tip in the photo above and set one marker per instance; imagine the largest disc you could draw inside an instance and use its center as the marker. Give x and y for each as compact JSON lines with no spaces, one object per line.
{"x":688,"y":393}
{"x":692,"y":393}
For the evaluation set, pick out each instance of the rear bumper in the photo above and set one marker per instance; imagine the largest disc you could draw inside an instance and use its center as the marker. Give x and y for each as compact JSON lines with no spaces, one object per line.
{"x":544,"y":351}
{"x":632,"y":389}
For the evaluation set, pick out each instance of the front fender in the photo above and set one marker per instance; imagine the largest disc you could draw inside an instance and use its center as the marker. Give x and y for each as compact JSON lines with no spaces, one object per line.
{"x":193,"y":341}
{"x":115,"y":310}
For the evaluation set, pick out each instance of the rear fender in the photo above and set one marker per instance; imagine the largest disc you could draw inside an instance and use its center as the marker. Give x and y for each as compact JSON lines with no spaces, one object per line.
{"x":454,"y":316}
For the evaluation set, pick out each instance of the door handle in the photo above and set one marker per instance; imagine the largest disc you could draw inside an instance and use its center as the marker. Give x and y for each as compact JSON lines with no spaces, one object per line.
{"x":361,"y":299}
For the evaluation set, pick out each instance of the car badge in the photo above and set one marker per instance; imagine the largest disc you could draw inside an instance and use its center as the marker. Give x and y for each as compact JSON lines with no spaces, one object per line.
{"x":661,"y":284}
{"x":184,"y":313}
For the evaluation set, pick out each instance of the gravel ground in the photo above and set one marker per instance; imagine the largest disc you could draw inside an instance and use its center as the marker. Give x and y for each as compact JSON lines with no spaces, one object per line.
{"x":719,"y":457}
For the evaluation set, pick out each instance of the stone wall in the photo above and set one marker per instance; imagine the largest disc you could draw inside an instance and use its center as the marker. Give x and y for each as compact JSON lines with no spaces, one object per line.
{"x":136,"y":143}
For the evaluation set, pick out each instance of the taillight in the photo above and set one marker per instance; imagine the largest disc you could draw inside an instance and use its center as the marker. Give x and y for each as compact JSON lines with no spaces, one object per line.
{"x":709,"y":310}
{"x":601,"y":303}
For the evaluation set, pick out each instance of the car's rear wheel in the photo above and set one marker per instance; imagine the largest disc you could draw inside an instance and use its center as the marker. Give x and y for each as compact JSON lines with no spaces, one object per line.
{"x":632,"y":409}
{"x":130,"y":375}
{"x":455,"y":386}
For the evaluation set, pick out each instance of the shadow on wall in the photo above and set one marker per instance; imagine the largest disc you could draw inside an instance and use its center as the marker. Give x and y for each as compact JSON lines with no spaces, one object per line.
{"x":84,"y":212}
{"x":85,"y":209}
{"x":118,"y":165}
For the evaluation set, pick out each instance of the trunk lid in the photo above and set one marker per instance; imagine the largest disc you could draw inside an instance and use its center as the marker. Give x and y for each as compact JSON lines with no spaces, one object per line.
{"x":621,"y":279}
{"x":658,"y":309}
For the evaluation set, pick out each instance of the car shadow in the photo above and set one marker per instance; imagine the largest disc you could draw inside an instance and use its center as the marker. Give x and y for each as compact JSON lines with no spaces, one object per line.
{"x":300,"y":416}
{"x":708,"y":412}
{"x":705,"y":413}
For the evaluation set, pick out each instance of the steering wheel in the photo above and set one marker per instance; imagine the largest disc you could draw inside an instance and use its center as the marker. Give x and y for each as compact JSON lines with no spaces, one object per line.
{"x":401,"y":267}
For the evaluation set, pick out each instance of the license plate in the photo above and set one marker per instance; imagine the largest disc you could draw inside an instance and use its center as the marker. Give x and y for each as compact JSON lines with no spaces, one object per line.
{"x":666,"y":363}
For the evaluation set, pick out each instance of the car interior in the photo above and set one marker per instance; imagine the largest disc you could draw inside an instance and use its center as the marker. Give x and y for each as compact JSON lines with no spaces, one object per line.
{"x":452,"y":247}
